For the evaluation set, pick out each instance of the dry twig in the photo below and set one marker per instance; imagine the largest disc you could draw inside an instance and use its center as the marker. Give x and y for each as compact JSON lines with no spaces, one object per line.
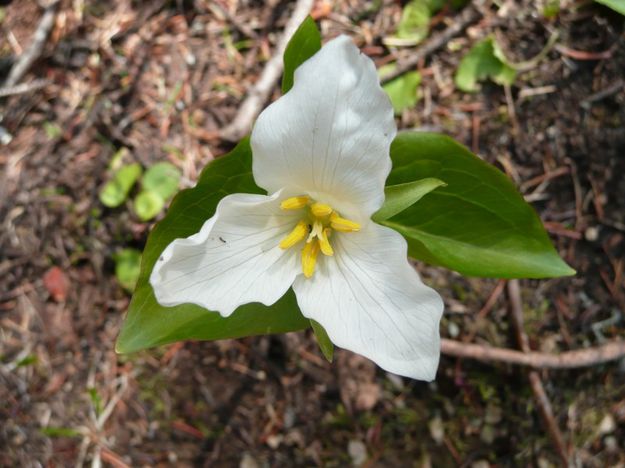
{"x":25,"y":60}
{"x":588,"y":357}
{"x":23,"y":88}
{"x":259,"y":93}
{"x":604,"y":93}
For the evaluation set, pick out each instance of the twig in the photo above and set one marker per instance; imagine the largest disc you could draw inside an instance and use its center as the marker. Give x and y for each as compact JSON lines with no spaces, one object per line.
{"x":23,"y":88}
{"x":259,"y":93}
{"x":604,"y":93}
{"x":516,"y":128}
{"x":25,"y":60}
{"x":587,"y":357}
{"x":108,"y":410}
{"x":544,"y":405}
{"x":469,"y":15}
{"x":582,"y":54}
{"x":530,"y":64}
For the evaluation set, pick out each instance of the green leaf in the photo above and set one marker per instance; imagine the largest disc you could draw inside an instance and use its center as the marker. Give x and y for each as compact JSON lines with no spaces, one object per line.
{"x":52,"y":130}
{"x":60,"y":432}
{"x":148,"y":204}
{"x":114,"y":193}
{"x":162,"y":178}
{"x":551,"y":9}
{"x":616,"y":5}
{"x":478,"y":224}
{"x":485,"y":60}
{"x":414,"y":24}
{"x":402,"y":90}
{"x":149,"y":324}
{"x":127,"y":267}
{"x":304,"y":44}
{"x":399,"y":197}
{"x":323,"y":340}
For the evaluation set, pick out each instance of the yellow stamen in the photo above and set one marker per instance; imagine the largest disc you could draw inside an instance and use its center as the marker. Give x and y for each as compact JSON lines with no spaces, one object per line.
{"x":320,"y":210}
{"x":342,"y":224}
{"x":318,"y":221}
{"x":324,"y":243}
{"x":295,"y":203}
{"x":297,"y":234}
{"x":309,"y":257}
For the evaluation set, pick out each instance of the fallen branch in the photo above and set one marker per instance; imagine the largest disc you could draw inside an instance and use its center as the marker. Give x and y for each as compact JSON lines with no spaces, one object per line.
{"x":468,"y":16}
{"x":587,"y":357}
{"x":23,"y":88}
{"x":259,"y":93}
{"x":604,"y":93}
{"x":25,"y":60}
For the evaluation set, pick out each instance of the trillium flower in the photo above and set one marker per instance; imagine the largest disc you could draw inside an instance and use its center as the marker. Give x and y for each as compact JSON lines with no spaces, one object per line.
{"x":321,"y":152}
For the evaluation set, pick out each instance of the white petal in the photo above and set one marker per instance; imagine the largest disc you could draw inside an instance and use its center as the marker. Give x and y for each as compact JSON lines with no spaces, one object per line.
{"x":234,"y":259}
{"x":371,"y":301}
{"x":330,"y":135}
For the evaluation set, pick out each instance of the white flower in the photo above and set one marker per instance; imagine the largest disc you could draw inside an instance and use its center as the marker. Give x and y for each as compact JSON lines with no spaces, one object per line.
{"x":322,"y":153}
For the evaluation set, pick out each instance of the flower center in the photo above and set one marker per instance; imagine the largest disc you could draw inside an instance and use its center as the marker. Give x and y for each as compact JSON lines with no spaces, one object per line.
{"x":316,"y":226}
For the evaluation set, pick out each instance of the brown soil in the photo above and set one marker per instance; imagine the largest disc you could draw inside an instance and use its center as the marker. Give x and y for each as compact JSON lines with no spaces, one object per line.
{"x":134,"y":74}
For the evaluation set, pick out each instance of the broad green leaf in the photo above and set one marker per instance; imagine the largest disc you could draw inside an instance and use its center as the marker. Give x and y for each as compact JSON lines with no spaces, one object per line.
{"x":616,"y":5}
{"x":162,"y":178}
{"x":304,"y":44}
{"x":148,"y":204}
{"x":478,"y":224}
{"x":402,"y":90}
{"x":399,"y":197}
{"x":323,"y":340}
{"x":127,"y":267}
{"x":149,"y":324}
{"x":116,"y":190}
{"x":485,"y":60}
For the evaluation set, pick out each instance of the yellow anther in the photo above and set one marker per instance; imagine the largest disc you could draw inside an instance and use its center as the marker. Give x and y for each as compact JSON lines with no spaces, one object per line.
{"x":320,"y":210}
{"x":324,"y":243}
{"x":342,"y":224}
{"x":295,"y":203}
{"x":297,"y":234}
{"x":309,"y":257}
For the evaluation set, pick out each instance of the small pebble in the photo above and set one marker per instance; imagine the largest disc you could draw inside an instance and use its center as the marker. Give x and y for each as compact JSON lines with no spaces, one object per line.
{"x":592,"y":233}
{"x":357,"y":451}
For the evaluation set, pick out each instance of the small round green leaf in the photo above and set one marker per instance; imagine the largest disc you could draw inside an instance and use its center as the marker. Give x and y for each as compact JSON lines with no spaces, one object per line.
{"x":115,"y":192}
{"x":148,"y":204}
{"x":484,"y":60}
{"x":162,"y":178}
{"x":402,"y":90}
{"x":127,"y":267}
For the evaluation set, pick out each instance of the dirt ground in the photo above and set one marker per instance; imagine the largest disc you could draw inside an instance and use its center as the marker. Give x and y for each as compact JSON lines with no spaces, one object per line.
{"x":161,"y":78}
